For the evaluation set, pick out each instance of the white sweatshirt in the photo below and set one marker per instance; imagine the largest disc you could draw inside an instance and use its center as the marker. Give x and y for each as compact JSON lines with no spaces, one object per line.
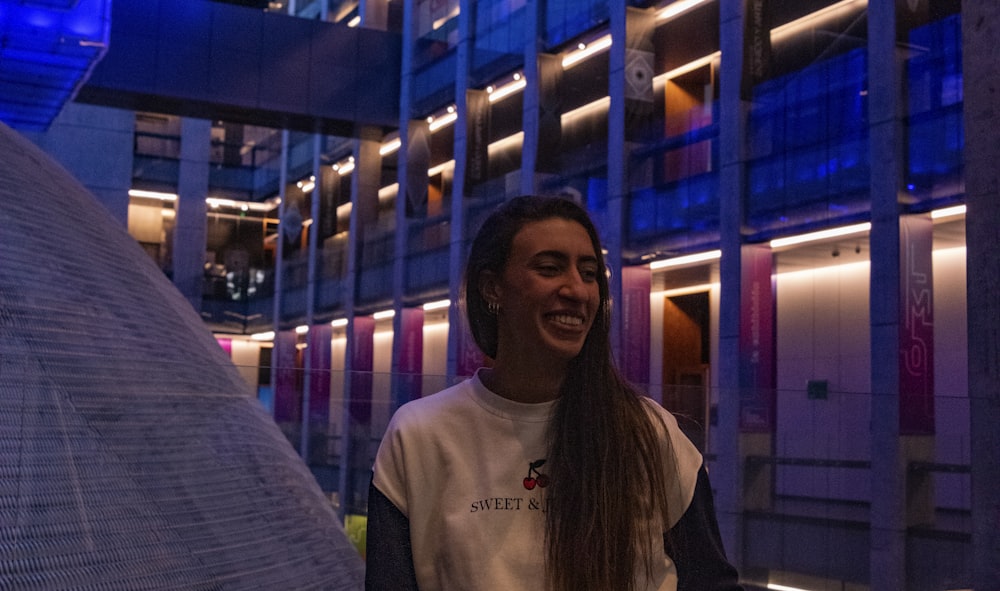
{"x":466,"y":467}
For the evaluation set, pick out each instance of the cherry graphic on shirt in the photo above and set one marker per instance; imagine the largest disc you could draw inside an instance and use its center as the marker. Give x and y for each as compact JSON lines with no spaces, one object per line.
{"x":534,"y":477}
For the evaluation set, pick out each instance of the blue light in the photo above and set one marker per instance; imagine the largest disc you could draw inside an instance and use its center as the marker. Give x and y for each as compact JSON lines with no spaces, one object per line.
{"x":49,"y":50}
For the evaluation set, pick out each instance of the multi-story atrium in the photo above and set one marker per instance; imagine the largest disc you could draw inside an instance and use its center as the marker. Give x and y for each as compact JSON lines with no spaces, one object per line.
{"x":798,"y":200}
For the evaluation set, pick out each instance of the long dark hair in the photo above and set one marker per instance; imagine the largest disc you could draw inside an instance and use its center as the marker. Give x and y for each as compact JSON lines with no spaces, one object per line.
{"x":605,"y":465}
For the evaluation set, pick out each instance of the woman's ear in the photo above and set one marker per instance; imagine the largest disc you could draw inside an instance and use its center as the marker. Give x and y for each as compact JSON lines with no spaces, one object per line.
{"x":489,"y":287}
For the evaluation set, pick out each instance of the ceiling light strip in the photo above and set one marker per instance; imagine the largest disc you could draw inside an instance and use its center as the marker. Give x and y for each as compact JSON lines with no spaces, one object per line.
{"x":698,"y":257}
{"x":822,"y":235}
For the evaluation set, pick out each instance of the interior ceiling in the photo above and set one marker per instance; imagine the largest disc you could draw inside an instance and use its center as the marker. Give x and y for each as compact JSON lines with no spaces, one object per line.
{"x":47,"y":50}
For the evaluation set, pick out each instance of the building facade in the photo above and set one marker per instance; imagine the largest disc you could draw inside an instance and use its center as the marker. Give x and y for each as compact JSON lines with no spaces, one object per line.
{"x":782,"y":187}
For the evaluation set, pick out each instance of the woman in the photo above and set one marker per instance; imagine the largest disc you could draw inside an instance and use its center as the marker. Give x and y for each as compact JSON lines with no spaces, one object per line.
{"x":546,"y":470}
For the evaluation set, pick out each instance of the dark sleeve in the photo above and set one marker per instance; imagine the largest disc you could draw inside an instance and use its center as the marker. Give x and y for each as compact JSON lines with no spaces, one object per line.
{"x":695,"y":545}
{"x":389,"y":557}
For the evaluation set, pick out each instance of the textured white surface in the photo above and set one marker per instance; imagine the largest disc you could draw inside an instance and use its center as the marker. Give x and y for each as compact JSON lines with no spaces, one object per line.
{"x":132,"y":454}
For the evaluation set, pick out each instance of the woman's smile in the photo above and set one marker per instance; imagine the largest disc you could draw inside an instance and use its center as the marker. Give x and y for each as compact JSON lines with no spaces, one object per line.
{"x":548,"y":294}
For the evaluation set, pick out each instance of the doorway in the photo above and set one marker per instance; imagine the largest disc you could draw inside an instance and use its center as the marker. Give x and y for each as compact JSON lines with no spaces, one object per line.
{"x":686,"y":363}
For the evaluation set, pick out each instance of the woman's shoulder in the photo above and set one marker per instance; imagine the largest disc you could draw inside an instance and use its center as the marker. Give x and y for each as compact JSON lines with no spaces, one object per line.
{"x":665,"y":422}
{"x":431,"y":409}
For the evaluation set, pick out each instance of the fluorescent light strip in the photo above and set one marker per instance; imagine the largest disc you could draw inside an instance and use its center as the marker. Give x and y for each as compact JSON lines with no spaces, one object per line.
{"x":697,"y":257}
{"x":676,"y":9}
{"x":388,"y":192}
{"x":345,"y":168}
{"x":339,"y":323}
{"x":948,"y":212}
{"x":389,"y":147}
{"x":449,"y":165}
{"x":682,"y":291}
{"x":821,"y":235}
{"x":688,"y":67}
{"x":594,"y":47}
{"x":152,"y":195}
{"x":441,"y":21}
{"x":216,"y":203}
{"x":589,"y":108}
{"x":436,"y":305}
{"x":263,"y":336}
{"x":443,"y":121}
{"x":815,"y":18}
{"x":384,"y":314}
{"x":506,"y":142}
{"x":211,"y":201}
{"x":301,"y":329}
{"x":507,"y":90}
{"x":777,"y":587}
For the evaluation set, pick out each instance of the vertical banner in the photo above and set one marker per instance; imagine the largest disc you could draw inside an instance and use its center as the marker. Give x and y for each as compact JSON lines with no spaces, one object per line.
{"x":916,"y":327}
{"x":639,"y":71}
{"x":319,"y":351}
{"x":362,"y":364}
{"x":634,"y":359}
{"x":550,"y":71}
{"x":287,"y":396}
{"x":410,"y":365}
{"x":477,"y":138}
{"x":329,"y":199}
{"x":418,"y":158}
{"x":756,"y":46}
{"x":757,"y":341}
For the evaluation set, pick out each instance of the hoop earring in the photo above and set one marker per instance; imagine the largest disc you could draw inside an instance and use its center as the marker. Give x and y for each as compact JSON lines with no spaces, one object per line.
{"x":493,"y":308}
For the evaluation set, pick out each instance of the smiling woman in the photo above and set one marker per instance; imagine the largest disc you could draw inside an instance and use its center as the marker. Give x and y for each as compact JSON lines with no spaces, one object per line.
{"x":547,"y":469}
{"x":545,"y":299}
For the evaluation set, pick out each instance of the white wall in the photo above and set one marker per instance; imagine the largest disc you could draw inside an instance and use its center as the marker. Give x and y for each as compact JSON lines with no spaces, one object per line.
{"x":246,"y":356}
{"x":951,"y":377}
{"x":823,"y":333}
{"x":382,"y":378}
{"x":435,"y":358}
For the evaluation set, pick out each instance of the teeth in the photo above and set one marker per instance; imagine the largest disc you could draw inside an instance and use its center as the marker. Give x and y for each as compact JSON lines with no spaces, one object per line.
{"x":567,"y":319}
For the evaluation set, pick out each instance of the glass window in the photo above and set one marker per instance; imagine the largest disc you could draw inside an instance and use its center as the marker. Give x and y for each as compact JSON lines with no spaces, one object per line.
{"x":567,"y":19}
{"x":808,"y":124}
{"x":934,"y":123}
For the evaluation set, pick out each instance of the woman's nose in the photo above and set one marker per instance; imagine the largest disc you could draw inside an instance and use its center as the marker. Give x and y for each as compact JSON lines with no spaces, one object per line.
{"x":574,"y":286}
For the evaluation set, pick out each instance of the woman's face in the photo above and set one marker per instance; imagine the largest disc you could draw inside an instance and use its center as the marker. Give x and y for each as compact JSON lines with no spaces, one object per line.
{"x":548,"y":293}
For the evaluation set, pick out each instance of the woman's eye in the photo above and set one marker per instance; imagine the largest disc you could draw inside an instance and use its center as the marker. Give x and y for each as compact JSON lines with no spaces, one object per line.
{"x":548,"y":269}
{"x":588,"y":274}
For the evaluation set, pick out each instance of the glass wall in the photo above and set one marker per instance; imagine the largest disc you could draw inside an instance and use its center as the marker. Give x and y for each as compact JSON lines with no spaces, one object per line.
{"x":934,"y":122}
{"x":808,"y":127}
{"x":674,"y":201}
{"x":500,"y":33}
{"x":567,"y":19}
{"x":434,"y":54}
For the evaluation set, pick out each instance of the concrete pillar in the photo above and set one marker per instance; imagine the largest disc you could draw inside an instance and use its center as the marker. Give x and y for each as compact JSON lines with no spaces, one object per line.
{"x":888,"y":483}
{"x":610,"y":220}
{"x":532,"y":97}
{"x":630,"y":87}
{"x":459,"y":339}
{"x":981,"y":73}
{"x":315,"y":366}
{"x":190,"y":223}
{"x":374,"y":14}
{"x":727,"y":474}
{"x":358,"y":356}
{"x":96,"y":145}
